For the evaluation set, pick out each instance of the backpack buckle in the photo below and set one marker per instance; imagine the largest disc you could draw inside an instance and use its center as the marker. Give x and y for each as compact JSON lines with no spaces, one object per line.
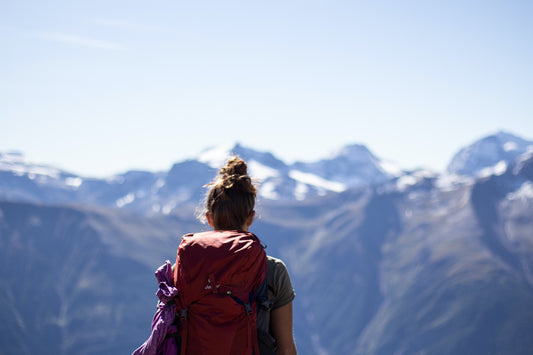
{"x":248,"y":308}
{"x":184,"y":314}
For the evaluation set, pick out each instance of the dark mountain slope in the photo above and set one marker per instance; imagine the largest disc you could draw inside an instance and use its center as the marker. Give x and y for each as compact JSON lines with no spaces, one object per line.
{"x":74,"y":281}
{"x":381,"y":272}
{"x":445,"y":288}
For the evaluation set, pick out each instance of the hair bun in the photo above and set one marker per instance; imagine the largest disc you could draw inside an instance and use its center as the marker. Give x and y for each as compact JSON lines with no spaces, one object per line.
{"x":234,"y":166}
{"x":231,"y":199}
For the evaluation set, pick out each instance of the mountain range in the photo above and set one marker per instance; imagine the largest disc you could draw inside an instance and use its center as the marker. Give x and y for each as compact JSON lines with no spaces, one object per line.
{"x":383,"y":261}
{"x":149,"y":193}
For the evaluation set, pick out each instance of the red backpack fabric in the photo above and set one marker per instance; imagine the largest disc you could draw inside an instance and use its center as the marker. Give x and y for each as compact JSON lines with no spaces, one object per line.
{"x":217,"y":274}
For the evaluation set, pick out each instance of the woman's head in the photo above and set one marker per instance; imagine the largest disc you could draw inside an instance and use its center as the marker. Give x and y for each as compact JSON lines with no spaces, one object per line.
{"x":231,"y":199}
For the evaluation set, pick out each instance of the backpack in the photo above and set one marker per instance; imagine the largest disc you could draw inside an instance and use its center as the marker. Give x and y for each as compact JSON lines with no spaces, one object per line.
{"x":217,"y":274}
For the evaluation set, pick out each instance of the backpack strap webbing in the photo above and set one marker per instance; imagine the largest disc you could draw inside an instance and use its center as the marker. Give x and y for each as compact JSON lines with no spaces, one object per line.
{"x":252,"y":328}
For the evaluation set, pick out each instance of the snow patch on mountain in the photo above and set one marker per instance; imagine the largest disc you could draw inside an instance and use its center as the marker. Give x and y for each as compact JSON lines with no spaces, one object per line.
{"x":169,"y":207}
{"x":17,"y":163}
{"x":413,"y":178}
{"x":523,"y":160}
{"x":74,"y":182}
{"x":301,"y":191}
{"x":261,"y":171}
{"x":525,"y":192}
{"x":406,"y":181}
{"x":158,"y":185}
{"x":129,"y":198}
{"x":115,"y":179}
{"x":314,"y":180}
{"x":498,"y":169}
{"x":449,"y":182}
{"x":509,"y":146}
{"x":268,"y":191}
{"x":215,"y":157}
{"x":390,"y":168}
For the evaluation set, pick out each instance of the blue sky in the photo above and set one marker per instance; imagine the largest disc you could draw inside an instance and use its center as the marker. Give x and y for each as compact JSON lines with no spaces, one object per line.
{"x":100,"y":87}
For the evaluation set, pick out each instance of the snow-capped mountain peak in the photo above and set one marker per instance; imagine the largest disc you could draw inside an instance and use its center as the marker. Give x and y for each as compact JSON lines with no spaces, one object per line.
{"x":216,"y":156}
{"x":353,"y":153}
{"x":489,"y":154}
{"x":353,"y":166}
{"x":261,"y":165}
{"x":17,"y":163}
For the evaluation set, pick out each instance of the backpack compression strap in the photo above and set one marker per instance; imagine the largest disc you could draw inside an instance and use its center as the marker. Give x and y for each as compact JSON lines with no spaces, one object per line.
{"x":252,"y":328}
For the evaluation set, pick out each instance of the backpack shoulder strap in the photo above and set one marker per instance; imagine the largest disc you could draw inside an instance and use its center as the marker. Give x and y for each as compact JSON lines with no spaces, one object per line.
{"x":261,"y":295}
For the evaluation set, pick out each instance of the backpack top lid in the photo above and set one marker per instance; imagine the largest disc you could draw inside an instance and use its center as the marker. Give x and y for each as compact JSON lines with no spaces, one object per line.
{"x":218,"y":262}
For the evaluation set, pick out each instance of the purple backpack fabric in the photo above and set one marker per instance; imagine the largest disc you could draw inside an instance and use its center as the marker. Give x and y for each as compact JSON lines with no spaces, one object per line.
{"x":163,"y":340}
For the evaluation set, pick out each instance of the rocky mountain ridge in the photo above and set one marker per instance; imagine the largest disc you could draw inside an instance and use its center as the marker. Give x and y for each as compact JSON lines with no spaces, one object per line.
{"x":150,"y":193}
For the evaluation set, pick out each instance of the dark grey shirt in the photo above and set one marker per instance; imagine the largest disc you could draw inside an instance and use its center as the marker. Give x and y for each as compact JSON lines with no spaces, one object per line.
{"x":280,"y":290}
